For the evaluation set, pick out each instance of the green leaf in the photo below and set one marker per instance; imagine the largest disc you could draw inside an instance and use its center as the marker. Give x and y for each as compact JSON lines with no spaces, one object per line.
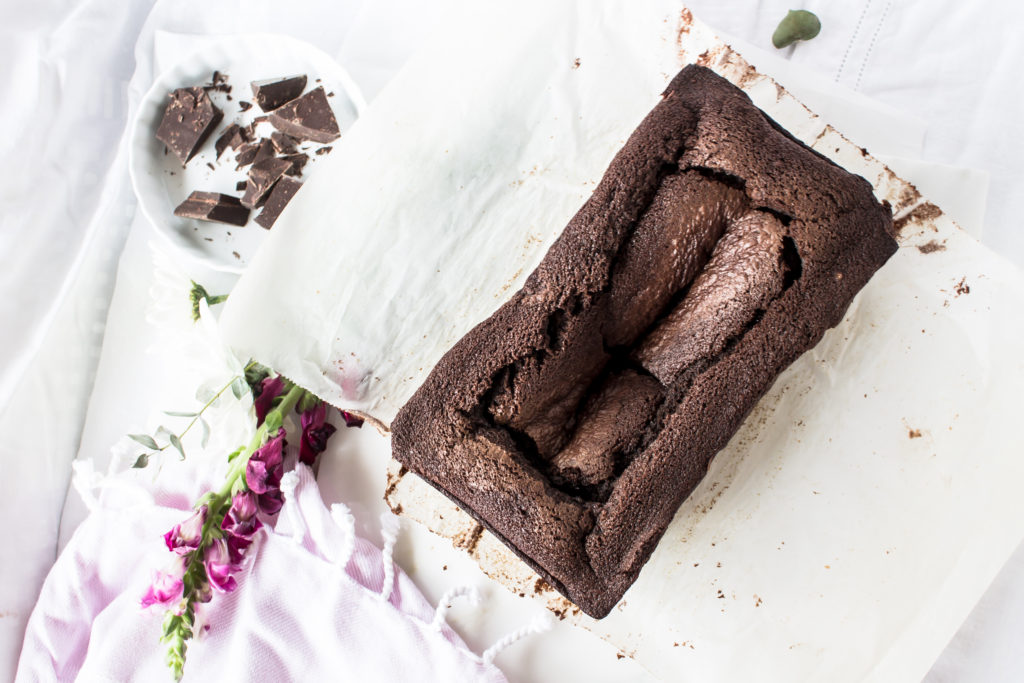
{"x":180,"y":413}
{"x":141,"y":461}
{"x":206,"y":433}
{"x":176,"y":442}
{"x":144,"y":439}
{"x":239,"y":388}
{"x":799,"y":24}
{"x":204,"y":393}
{"x":162,"y":431}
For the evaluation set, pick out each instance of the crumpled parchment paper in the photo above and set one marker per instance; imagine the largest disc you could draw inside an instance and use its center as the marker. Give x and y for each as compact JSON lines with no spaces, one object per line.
{"x":869,"y":499}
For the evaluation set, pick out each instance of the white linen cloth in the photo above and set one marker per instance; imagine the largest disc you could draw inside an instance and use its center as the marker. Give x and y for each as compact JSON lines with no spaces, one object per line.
{"x":314,"y":603}
{"x":950,"y":63}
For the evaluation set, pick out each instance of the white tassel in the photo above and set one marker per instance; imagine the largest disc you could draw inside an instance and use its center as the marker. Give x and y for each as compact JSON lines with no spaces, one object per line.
{"x":446,"y":602}
{"x":295,"y":523}
{"x":343,"y":517}
{"x":389,"y":532}
{"x":539,"y":625}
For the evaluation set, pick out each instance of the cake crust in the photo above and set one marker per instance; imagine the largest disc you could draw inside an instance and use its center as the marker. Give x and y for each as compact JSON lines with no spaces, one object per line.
{"x":575,"y":420}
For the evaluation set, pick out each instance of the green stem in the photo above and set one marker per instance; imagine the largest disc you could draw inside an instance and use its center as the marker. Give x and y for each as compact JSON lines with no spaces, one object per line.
{"x":288,"y":402}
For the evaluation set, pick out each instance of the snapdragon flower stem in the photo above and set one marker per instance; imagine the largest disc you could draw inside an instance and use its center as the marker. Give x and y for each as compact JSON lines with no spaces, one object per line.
{"x":288,"y":402}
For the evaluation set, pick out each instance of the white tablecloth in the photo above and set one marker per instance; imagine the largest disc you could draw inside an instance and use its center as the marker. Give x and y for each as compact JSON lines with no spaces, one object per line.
{"x":68,"y":215}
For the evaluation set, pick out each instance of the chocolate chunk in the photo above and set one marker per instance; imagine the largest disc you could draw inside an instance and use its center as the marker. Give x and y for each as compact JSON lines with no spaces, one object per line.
{"x":298,"y":161}
{"x":244,"y":106}
{"x":308,"y":118}
{"x":251,"y":152}
{"x":284,"y":144}
{"x":246,"y":154}
{"x":233,"y":136}
{"x":272,"y":93}
{"x":324,"y":150}
{"x":213,"y":206}
{"x":188,"y":120}
{"x":262,"y":177}
{"x":240,"y":185}
{"x":283,"y":191}
{"x":264,"y":151}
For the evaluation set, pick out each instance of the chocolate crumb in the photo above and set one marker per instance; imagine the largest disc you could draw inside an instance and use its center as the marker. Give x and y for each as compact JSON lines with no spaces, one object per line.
{"x":244,"y":106}
{"x":619,"y":655}
{"x":212,"y":167}
{"x":962,"y":287}
{"x":576,"y":63}
{"x":236,"y":255}
{"x":324,"y":150}
{"x":914,"y":433}
{"x":931,"y":247}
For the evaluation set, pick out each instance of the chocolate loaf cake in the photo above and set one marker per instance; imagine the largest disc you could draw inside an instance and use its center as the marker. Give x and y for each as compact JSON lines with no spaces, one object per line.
{"x":575,"y":420}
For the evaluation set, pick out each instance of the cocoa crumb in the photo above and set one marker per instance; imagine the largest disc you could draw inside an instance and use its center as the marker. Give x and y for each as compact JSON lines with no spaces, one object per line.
{"x":962,"y":287}
{"x":931,"y":247}
{"x":914,"y":434}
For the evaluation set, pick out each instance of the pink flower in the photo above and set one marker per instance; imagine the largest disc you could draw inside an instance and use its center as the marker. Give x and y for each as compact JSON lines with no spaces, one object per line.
{"x":240,"y":523}
{"x":265,"y":468}
{"x":270,"y":388}
{"x":263,"y":474}
{"x":185,"y":537}
{"x":315,"y":433}
{"x":240,"y":519}
{"x":166,"y":586}
{"x":350,"y":419}
{"x":219,"y":566}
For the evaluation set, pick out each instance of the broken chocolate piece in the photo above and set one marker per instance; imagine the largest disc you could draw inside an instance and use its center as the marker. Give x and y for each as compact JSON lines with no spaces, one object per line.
{"x":213,"y":206}
{"x":240,"y":185}
{"x":272,"y":93}
{"x":298,"y":161}
{"x":233,"y":136}
{"x":308,"y":118}
{"x":283,"y":191}
{"x":264,"y":151}
{"x":262,"y":177}
{"x":251,"y":152}
{"x":324,"y":150}
{"x":244,"y":106}
{"x":188,"y":120}
{"x":284,"y":144}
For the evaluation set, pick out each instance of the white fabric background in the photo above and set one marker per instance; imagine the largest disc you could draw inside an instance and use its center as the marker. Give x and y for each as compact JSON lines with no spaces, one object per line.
{"x":70,"y":73}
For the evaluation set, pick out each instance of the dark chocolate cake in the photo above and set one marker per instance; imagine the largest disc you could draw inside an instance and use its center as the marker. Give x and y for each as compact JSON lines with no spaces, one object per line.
{"x":575,"y":420}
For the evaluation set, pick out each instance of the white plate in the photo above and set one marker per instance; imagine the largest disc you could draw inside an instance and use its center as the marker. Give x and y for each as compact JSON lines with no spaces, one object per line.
{"x":160,"y":182}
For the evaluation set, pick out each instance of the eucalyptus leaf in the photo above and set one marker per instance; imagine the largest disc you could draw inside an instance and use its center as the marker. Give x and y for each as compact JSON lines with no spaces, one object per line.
{"x":206,"y":433}
{"x":176,"y":442}
{"x":239,"y":387}
{"x":180,"y":413}
{"x":204,"y":393}
{"x":144,"y":439}
{"x":798,"y":24}
{"x":141,"y":461}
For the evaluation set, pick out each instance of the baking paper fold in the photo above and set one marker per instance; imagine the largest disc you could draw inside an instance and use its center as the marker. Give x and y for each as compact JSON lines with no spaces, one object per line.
{"x":869,"y":499}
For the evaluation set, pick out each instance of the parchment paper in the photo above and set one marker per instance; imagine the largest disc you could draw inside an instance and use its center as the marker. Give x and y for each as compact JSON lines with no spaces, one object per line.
{"x":865,"y":505}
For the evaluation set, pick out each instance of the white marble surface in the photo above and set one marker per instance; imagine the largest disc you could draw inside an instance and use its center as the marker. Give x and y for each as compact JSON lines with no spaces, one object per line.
{"x":67,"y":214}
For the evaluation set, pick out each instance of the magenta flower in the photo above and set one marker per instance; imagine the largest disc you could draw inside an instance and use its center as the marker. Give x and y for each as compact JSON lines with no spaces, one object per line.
{"x":263,"y":474}
{"x":166,"y":586}
{"x":350,"y":419}
{"x":185,"y":537}
{"x":219,"y":567}
{"x":270,"y":388}
{"x":240,"y":519}
{"x":315,"y":433}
